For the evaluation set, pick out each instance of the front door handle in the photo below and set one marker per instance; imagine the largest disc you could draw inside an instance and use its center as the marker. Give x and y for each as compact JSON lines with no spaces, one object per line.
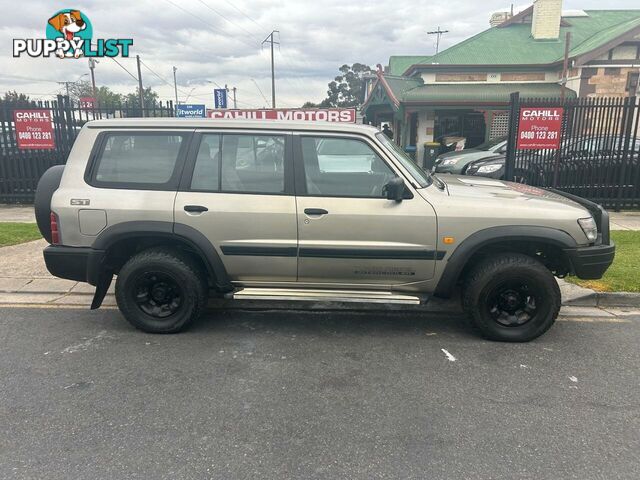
{"x":315,"y":211}
{"x":195,"y":208}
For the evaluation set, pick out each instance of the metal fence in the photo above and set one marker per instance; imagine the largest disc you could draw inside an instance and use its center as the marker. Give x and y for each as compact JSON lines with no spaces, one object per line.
{"x":599,"y":154}
{"x":20,"y":170}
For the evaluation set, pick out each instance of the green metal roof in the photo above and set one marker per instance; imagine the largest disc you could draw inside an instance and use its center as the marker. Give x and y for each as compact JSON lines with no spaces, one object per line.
{"x":513,"y":44}
{"x":480,"y":93}
{"x":398,"y":64}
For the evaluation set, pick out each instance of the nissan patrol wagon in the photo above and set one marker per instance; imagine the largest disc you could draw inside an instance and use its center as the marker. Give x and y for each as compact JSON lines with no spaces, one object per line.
{"x":181,"y":210}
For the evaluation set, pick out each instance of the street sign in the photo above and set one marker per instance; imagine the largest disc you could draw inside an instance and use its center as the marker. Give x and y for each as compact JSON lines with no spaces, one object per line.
{"x":539,"y":128}
{"x":190,"y":110}
{"x":340,"y":115}
{"x":34,"y":129}
{"x":87,"y":103}
{"x":220,"y":98}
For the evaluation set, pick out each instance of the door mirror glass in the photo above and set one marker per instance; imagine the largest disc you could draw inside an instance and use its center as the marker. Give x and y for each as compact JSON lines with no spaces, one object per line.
{"x":394,"y":189}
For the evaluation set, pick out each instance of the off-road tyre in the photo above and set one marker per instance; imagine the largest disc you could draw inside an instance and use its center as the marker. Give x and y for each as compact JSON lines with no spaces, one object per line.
{"x":511,"y":297}
{"x":161,"y":290}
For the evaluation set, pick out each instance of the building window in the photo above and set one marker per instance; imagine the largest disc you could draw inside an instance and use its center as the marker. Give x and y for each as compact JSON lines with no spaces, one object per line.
{"x":632,"y":82}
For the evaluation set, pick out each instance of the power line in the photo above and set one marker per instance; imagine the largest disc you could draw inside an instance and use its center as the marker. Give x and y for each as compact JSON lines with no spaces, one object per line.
{"x":227,"y":19}
{"x":120,"y":65}
{"x":212,"y":27}
{"x":438,"y":33}
{"x":259,"y":90}
{"x":244,"y":14}
{"x":161,"y":78}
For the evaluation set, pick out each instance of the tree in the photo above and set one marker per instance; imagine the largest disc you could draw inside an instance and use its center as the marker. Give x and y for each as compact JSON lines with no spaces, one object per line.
{"x":347,"y":89}
{"x":104,"y":95}
{"x":16,"y":100}
{"x":150,"y":98}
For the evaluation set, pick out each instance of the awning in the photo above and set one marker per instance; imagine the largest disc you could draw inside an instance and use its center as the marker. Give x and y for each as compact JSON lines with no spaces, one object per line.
{"x":474,"y":94}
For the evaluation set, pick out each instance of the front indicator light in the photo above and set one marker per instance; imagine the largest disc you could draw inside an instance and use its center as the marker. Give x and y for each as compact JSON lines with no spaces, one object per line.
{"x":589,"y":228}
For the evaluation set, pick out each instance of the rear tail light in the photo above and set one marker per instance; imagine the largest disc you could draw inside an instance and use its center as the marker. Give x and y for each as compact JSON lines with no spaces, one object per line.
{"x":55,"y":232}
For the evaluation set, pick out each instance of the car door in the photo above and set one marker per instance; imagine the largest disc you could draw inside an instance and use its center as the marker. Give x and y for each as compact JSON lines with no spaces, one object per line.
{"x":237,"y":190}
{"x":348,"y":232}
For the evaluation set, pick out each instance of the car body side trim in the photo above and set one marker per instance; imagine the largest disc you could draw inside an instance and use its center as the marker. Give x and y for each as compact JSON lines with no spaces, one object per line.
{"x":371,"y":253}
{"x":259,"y":251}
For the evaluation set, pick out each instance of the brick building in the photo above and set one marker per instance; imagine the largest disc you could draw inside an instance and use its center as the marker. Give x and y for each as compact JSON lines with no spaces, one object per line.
{"x":464,"y":90}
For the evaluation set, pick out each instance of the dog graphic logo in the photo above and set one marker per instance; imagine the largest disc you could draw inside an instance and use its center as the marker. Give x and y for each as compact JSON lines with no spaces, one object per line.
{"x":73,"y":27}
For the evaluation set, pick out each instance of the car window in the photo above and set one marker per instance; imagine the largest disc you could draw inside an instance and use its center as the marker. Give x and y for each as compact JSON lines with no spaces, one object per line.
{"x":240,"y":163}
{"x":343,"y":167}
{"x":138,"y":158}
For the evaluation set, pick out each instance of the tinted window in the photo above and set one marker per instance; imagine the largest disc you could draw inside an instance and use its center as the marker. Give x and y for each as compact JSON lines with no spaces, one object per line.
{"x":138,"y":158}
{"x":240,"y":163}
{"x":343,"y":167}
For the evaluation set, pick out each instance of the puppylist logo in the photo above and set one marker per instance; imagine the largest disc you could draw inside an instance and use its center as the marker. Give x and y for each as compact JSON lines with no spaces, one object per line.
{"x":69,"y":35}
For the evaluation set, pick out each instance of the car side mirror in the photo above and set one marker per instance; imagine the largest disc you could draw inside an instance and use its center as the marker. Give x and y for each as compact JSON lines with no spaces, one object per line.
{"x":394,"y":189}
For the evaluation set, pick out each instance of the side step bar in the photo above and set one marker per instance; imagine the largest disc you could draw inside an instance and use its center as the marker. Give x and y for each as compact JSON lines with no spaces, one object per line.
{"x":313,"y":295}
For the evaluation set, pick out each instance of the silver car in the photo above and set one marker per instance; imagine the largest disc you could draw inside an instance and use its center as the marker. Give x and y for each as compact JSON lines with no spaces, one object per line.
{"x":457,"y":162}
{"x":182,"y":209}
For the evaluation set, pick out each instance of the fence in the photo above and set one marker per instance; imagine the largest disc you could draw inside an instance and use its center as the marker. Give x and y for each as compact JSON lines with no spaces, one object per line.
{"x":20,"y":170}
{"x":599,"y":154}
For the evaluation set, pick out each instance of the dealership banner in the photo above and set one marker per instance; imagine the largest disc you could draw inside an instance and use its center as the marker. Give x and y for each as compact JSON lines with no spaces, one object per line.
{"x":190,"y":110}
{"x":34,"y":129}
{"x":340,"y":115}
{"x":539,"y":128}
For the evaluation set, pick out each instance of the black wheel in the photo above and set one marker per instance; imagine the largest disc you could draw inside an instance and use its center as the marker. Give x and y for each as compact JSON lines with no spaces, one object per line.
{"x":161,"y":290}
{"x":511,"y":298}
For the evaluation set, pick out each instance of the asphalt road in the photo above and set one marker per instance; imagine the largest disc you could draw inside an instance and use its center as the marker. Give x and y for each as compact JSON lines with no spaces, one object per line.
{"x":314,"y":395}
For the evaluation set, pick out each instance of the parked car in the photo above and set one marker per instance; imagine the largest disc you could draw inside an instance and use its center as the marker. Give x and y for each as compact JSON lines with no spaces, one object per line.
{"x":456,"y":162}
{"x":582,"y":161}
{"x":182,"y":209}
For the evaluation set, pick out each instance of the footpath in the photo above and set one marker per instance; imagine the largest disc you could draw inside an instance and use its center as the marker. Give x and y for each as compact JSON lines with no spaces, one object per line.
{"x":24,"y":280}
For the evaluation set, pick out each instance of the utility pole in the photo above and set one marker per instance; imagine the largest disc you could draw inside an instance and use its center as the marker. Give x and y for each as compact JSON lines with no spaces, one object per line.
{"x":92,"y":66}
{"x":438,"y":33}
{"x":565,"y":66}
{"x":140,"y":91}
{"x":235,"y":105}
{"x":269,"y":40}
{"x":175,"y":85}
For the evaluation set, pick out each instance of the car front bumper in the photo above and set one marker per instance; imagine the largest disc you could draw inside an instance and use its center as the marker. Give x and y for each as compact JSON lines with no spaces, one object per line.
{"x":82,"y":264}
{"x":590,"y":263}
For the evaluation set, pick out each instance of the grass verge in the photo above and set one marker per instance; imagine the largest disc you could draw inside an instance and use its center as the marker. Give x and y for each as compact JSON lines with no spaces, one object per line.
{"x":12,"y":233}
{"x":624,"y":274}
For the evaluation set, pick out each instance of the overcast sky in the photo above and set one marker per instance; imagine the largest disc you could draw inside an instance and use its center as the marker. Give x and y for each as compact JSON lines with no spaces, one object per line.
{"x":219,"y":41}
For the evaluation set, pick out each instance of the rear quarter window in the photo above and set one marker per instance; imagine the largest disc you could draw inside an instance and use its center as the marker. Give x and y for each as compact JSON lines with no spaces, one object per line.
{"x":144,"y":159}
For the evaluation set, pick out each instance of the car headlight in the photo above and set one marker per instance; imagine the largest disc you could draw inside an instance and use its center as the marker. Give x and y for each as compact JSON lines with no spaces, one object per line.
{"x":448,"y":161}
{"x":589,"y":228}
{"x":492,"y":167}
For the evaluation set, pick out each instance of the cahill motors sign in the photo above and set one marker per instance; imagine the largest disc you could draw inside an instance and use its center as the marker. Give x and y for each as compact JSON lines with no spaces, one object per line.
{"x":539,"y":128}
{"x":69,"y":35}
{"x":341,"y":115}
{"x":34,"y":129}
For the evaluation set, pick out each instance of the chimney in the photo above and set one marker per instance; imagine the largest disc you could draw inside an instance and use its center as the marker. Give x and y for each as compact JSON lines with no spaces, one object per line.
{"x":545,"y":24}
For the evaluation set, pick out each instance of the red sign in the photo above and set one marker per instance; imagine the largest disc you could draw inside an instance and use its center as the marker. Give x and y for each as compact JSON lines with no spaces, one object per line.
{"x":341,"y":115}
{"x":539,"y":128}
{"x":87,"y":103}
{"x":34,"y":129}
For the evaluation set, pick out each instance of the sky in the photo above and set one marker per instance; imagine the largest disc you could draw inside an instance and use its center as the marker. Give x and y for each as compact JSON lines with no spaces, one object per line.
{"x":218,"y":42}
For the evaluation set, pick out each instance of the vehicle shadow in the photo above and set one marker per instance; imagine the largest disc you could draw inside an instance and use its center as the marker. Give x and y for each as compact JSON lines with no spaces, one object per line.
{"x":334,"y":322}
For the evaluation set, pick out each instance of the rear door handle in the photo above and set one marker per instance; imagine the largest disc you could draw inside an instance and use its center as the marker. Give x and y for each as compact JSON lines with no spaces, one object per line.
{"x":315,"y":211}
{"x":195,"y":208}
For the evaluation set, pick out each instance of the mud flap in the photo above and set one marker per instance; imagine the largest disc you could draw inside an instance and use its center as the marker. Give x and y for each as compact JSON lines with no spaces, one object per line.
{"x":101,"y":289}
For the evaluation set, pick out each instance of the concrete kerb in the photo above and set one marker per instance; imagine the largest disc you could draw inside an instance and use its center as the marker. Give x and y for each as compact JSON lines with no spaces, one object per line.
{"x":53,"y":291}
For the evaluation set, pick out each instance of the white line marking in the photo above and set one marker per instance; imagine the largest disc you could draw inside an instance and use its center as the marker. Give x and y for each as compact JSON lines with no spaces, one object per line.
{"x":573,"y":379}
{"x":450,"y":357}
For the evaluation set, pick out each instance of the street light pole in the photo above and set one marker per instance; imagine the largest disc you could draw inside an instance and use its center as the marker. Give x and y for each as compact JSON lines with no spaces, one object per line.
{"x":92,"y":66}
{"x":140,"y":91}
{"x":175,"y":84}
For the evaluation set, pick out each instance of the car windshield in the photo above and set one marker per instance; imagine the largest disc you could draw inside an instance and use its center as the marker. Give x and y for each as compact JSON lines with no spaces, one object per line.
{"x":421,"y":176}
{"x":489,"y":144}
